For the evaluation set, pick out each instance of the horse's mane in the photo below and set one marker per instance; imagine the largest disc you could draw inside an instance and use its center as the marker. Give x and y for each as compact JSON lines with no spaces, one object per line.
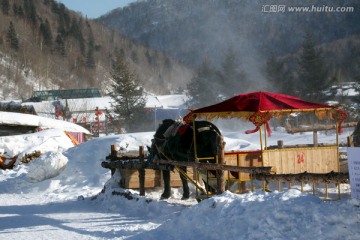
{"x":166,"y":123}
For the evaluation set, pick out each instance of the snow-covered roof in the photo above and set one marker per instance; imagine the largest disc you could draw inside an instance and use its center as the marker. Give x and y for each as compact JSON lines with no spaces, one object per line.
{"x":84,"y":108}
{"x":11,"y":118}
{"x":344,"y":89}
{"x":166,"y":101}
{"x":86,"y":104}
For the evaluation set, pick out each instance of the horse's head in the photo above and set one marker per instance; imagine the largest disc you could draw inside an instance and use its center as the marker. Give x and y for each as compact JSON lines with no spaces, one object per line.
{"x":159,"y":138}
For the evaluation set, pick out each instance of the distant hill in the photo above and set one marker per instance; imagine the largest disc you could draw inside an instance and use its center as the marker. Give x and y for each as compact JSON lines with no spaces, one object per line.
{"x":192,"y":30}
{"x":44,"y":45}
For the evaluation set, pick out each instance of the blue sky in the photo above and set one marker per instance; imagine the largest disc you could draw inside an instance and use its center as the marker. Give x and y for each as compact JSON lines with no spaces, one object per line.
{"x":94,"y":8}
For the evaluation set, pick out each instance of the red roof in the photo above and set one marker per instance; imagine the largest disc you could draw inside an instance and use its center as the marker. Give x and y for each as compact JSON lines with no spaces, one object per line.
{"x":259,"y":107}
{"x":260,"y":101}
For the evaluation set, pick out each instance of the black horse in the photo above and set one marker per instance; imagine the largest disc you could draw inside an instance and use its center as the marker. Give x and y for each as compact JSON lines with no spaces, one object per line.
{"x":175,"y":141}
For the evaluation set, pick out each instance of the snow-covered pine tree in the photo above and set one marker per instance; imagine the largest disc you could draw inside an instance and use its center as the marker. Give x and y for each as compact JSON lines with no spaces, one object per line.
{"x":128,"y":96}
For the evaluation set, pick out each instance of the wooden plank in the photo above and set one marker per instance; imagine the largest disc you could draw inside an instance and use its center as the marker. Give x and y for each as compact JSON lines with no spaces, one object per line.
{"x":297,"y":160}
{"x":331,"y":177}
{"x":243,"y":159}
{"x":293,"y":130}
{"x":130,"y":178}
{"x":212,"y":166}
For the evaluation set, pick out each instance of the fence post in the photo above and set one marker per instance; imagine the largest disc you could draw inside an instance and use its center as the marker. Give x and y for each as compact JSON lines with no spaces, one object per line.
{"x":113,"y":155}
{"x":220,"y":173}
{"x":141,"y":171}
{"x":315,"y":138}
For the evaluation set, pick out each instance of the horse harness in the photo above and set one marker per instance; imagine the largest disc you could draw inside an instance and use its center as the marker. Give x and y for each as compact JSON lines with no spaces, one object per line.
{"x":172,"y":131}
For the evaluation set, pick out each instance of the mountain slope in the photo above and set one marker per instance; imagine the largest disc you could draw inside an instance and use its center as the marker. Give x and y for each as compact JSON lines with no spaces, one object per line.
{"x":51,"y":47}
{"x":192,"y":30}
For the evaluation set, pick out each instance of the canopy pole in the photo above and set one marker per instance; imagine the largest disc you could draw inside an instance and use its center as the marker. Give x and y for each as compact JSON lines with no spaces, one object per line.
{"x":194,"y":135}
{"x":265,"y":136}
{"x":337,"y":144}
{"x":261,"y":148}
{"x":195,"y":154}
{"x":261,"y":141}
{"x":264,"y":185}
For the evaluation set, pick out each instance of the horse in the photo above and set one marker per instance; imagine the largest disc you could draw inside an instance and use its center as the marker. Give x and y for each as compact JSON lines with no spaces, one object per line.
{"x":175,"y":141}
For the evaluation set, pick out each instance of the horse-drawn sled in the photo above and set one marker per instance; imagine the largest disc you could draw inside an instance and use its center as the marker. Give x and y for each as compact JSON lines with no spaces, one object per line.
{"x":196,"y":141}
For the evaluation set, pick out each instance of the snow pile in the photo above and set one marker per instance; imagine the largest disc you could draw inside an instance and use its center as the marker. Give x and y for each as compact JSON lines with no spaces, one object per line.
{"x":262,"y":215}
{"x":48,"y":140}
{"x":49,"y":165}
{"x":291,"y":214}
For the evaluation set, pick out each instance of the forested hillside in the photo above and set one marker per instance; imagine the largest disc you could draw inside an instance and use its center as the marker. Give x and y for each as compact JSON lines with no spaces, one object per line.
{"x":259,"y":35}
{"x":43,"y":45}
{"x":191,"y":29}
{"x":211,"y":48}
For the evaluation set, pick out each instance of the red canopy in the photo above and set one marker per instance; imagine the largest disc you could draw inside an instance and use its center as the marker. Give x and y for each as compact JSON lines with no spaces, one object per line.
{"x":259,"y":107}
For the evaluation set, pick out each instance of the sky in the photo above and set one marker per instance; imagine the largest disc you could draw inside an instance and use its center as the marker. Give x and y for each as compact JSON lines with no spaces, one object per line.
{"x":66,"y":194}
{"x":94,"y":8}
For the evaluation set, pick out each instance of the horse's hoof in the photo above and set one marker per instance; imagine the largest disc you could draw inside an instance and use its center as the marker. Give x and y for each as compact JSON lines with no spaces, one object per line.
{"x":164,"y":197}
{"x":185,"y":198}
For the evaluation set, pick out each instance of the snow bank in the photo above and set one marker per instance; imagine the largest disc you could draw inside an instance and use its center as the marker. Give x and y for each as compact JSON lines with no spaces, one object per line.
{"x":48,"y":140}
{"x":260,"y":215}
{"x":49,"y":165}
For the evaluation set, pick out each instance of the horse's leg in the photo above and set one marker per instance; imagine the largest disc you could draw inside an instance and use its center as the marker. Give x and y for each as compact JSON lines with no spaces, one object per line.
{"x":186,"y":191}
{"x":267,"y":189}
{"x":167,"y":191}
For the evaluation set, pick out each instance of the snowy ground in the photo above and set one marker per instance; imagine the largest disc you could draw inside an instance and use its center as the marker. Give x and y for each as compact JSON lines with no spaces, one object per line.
{"x":58,"y":196}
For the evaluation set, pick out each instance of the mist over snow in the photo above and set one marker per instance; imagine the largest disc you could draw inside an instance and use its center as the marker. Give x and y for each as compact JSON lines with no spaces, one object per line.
{"x":191,"y":31}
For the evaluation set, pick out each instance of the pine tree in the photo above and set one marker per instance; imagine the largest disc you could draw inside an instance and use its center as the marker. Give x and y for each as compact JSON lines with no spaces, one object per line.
{"x":60,"y":45}
{"x":203,"y":88}
{"x":313,"y":79}
{"x":90,"y":62}
{"x":46,"y":32}
{"x":279,"y":76}
{"x":5,"y":7}
{"x":75,"y":31}
{"x":64,"y":19}
{"x":11,"y":37}
{"x":18,"y":11}
{"x":61,"y":28}
{"x":232,"y":78}
{"x":30,"y":10}
{"x":128,"y":97}
{"x":55,"y":7}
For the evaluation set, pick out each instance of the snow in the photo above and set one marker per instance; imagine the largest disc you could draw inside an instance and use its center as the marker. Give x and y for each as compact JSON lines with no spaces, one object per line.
{"x":66,"y":194}
{"x":45,"y":167}
{"x":84,"y":108}
{"x":42,"y":122}
{"x":166,"y":101}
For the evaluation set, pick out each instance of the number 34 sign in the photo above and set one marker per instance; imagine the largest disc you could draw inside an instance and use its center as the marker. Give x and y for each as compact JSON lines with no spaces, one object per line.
{"x":300,"y":157}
